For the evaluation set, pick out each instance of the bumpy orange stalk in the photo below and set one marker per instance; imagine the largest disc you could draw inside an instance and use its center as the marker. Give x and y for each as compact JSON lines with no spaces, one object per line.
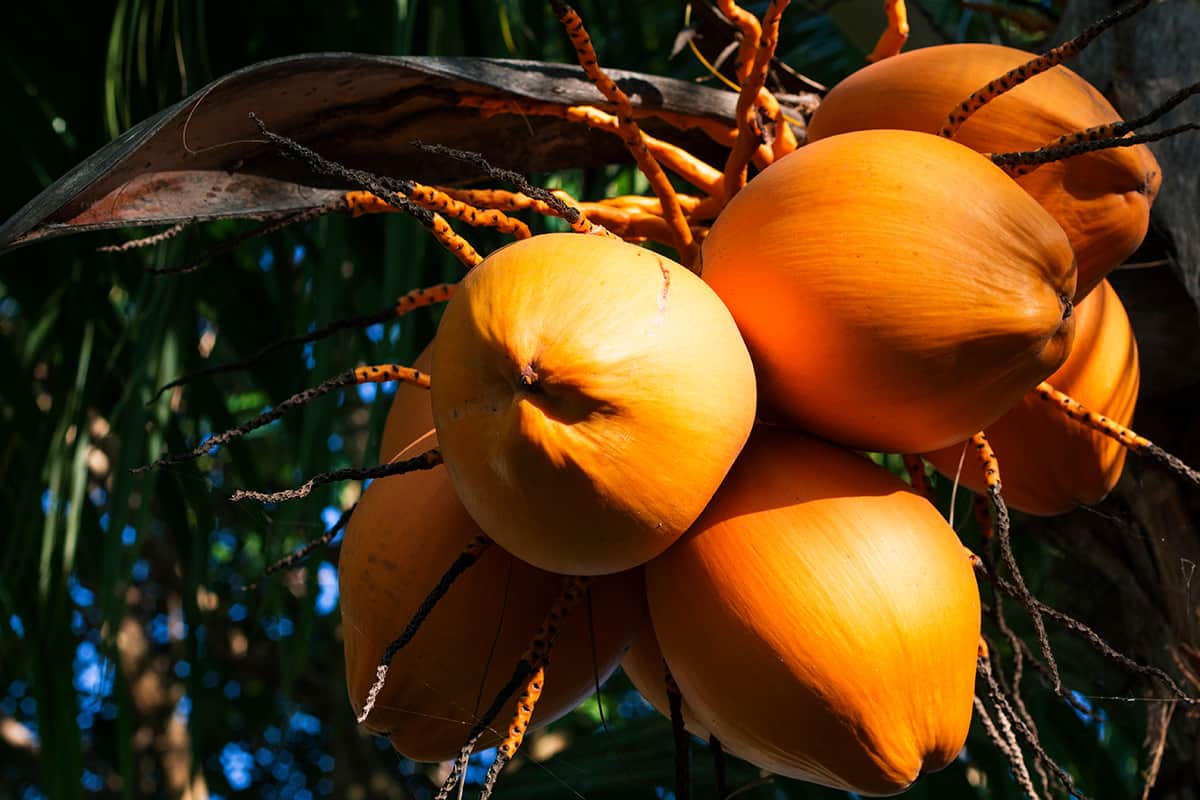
{"x":892,"y":40}
{"x":630,"y":133}
{"x":749,"y":131}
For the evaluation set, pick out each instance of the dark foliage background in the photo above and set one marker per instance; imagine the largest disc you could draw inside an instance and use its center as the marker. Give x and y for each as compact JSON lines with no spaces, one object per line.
{"x":142,"y":654}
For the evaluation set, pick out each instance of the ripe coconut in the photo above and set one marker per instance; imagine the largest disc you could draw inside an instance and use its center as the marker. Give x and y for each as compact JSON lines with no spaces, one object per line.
{"x":589,"y":396}
{"x":897,"y":291}
{"x":1102,"y":199}
{"x":1050,"y":463}
{"x":822,"y":619}
{"x":402,"y":536}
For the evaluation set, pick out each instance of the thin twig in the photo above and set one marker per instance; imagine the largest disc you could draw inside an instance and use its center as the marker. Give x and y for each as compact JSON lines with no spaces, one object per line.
{"x":427,"y":460}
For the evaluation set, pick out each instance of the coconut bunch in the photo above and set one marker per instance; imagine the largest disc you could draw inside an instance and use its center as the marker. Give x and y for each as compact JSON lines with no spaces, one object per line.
{"x":595,"y":407}
{"x":590,"y":399}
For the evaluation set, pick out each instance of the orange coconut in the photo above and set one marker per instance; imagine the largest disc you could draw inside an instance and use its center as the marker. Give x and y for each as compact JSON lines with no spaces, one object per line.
{"x":589,"y":395}
{"x":1102,"y":200}
{"x":897,"y":291}
{"x":402,"y":536}
{"x":1050,"y":464}
{"x":821,"y":619}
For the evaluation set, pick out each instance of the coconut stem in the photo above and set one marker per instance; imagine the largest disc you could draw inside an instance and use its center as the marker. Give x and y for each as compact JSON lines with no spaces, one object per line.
{"x":516,"y":730}
{"x":1003,"y":707}
{"x":462,"y":562}
{"x":1006,"y":743}
{"x":1100,"y":646}
{"x":991,"y":474}
{"x":683,"y":753}
{"x":1013,"y":691}
{"x":410,"y":301}
{"x":427,"y":460}
{"x":535,"y":657}
{"x":290,"y":560}
{"x":630,"y":133}
{"x":1115,"y":430}
{"x":718,"y":759}
{"x":749,"y":130}
{"x":1111,"y":131}
{"x":434,"y":199}
{"x":543,"y":201}
{"x":892,"y":40}
{"x":1036,"y":66}
{"x":388,"y":190}
{"x":917,"y":477}
{"x":1024,"y":162}
{"x":381,"y":373}
{"x":672,"y":157}
{"x":146,"y":241}
{"x":232,"y":244}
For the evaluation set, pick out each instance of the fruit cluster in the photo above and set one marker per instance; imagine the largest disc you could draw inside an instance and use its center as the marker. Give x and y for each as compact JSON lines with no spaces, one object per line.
{"x":690,"y":443}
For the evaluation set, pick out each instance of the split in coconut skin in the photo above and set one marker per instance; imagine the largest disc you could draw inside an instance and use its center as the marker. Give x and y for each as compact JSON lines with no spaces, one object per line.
{"x":590,"y":396}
